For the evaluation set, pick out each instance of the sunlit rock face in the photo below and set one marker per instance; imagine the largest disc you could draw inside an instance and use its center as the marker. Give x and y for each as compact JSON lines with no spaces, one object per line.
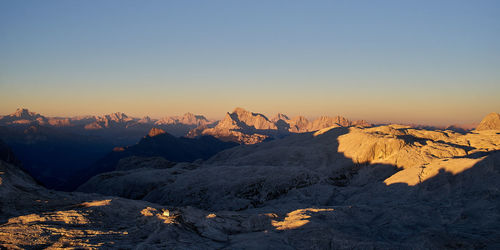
{"x":246,"y":127}
{"x":241,"y":126}
{"x":490,"y":122}
{"x":155,"y":132}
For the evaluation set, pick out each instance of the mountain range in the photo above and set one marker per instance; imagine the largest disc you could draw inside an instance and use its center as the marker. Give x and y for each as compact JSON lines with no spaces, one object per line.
{"x":246,"y":127}
{"x":340,"y":187}
{"x":117,"y":120}
{"x":55,"y":150}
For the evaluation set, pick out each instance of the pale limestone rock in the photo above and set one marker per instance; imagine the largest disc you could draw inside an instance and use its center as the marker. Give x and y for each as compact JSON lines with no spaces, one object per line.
{"x":490,"y":122}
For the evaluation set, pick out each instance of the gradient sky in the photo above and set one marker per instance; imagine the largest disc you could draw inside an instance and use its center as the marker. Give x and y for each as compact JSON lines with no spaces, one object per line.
{"x":433,"y":62}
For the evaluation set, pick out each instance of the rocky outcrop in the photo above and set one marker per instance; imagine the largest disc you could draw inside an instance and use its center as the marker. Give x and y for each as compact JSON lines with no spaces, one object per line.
{"x":490,"y":122}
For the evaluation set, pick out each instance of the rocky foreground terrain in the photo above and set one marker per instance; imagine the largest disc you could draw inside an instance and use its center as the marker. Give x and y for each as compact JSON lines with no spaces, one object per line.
{"x":387,"y":187}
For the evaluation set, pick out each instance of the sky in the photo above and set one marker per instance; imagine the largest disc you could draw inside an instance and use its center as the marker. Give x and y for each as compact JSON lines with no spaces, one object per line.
{"x":426,"y":62}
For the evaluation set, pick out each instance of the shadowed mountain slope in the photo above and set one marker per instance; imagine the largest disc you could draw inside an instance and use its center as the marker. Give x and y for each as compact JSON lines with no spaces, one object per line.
{"x":50,"y":155}
{"x":160,"y":143}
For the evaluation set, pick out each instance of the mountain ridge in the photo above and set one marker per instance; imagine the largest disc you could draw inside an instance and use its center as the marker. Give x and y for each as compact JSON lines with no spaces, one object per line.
{"x":247,"y":127}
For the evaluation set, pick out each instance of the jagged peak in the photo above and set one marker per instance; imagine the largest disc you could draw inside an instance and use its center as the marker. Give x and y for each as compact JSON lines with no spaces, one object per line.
{"x":24,"y":112}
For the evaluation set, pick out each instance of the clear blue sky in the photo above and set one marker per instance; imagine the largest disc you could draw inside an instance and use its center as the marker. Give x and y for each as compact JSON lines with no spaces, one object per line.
{"x":405,"y":61}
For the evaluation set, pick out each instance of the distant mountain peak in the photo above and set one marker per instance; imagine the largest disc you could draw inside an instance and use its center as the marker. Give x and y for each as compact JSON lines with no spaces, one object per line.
{"x":23,"y":116}
{"x":24,"y":113}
